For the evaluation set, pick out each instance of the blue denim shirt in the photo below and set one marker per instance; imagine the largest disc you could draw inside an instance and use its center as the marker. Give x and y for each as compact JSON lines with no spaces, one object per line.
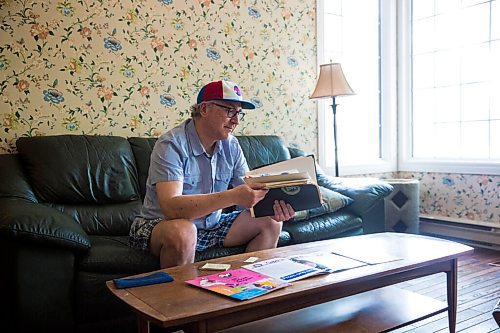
{"x":179,"y":155}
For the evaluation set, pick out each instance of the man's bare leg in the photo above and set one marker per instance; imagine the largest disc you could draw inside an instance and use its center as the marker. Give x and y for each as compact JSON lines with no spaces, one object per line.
{"x":258,"y":233}
{"x":174,"y":242}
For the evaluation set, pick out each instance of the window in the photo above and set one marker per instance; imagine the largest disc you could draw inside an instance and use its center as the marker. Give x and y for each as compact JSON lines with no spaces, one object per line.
{"x":451,"y":80}
{"x":361,"y":36}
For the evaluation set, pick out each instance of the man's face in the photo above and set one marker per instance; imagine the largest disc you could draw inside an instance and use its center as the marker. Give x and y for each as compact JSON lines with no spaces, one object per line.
{"x":224,"y":116}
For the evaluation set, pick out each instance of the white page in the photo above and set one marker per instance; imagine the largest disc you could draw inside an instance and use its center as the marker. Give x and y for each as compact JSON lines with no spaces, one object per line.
{"x":328,"y":262}
{"x":301,"y":163}
{"x":283,"y":268}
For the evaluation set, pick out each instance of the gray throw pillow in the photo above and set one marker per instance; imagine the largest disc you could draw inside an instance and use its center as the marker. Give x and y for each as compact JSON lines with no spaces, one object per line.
{"x":332,"y":201}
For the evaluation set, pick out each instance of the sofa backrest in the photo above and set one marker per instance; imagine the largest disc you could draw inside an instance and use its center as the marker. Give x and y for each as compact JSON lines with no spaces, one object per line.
{"x":142,"y":148}
{"x":91,"y":178}
{"x":100,"y":181}
{"x":259,"y":150}
{"x":262,"y":150}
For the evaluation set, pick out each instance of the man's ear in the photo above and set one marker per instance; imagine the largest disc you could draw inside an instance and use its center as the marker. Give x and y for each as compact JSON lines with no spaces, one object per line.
{"x":202,"y":108}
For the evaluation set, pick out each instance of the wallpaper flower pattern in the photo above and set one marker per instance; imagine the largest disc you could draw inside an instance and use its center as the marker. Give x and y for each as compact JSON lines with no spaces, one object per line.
{"x":471,"y":197}
{"x":133,"y":68}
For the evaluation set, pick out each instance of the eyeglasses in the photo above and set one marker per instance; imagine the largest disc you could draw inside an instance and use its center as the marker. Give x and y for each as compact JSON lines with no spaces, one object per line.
{"x":231,"y":113}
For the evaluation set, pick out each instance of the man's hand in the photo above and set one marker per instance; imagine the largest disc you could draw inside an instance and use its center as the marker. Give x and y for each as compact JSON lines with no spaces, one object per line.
{"x":247,"y":195}
{"x":282,"y":211}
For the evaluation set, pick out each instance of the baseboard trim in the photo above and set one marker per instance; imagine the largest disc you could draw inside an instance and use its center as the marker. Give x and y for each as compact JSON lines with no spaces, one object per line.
{"x":472,"y":234}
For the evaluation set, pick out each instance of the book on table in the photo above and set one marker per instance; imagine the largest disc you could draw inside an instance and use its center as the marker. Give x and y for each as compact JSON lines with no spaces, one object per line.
{"x":239,"y":283}
{"x":293,"y":181}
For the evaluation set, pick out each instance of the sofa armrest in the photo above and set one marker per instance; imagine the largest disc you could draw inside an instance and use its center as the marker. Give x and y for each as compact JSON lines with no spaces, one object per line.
{"x":296,"y":152}
{"x":36,"y":223}
{"x":368,"y":195}
{"x":366,"y":192}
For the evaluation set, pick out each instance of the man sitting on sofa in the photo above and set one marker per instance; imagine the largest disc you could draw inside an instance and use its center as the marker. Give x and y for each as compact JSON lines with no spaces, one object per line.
{"x":191,"y":168}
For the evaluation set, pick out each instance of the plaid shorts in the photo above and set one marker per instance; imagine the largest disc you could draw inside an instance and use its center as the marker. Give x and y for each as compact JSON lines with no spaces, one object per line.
{"x":141,"y":230}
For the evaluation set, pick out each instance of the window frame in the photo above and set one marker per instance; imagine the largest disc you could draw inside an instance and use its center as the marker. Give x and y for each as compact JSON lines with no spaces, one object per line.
{"x":405,"y":155}
{"x":387,"y":162}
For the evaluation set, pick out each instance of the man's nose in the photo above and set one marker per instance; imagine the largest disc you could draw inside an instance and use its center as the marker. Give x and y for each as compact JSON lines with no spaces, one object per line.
{"x":235,"y":119}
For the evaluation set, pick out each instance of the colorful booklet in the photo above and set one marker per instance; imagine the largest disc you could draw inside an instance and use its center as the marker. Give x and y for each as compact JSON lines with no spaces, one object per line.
{"x":239,"y":283}
{"x":284,"y":269}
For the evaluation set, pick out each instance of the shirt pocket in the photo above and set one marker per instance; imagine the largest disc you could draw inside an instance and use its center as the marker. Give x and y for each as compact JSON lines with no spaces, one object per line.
{"x":221,"y":181}
{"x":191,"y":184}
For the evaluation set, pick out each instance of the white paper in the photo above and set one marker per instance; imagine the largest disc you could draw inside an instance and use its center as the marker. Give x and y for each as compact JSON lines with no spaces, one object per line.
{"x":305,"y":164}
{"x":284,"y":269}
{"x":328,"y":262}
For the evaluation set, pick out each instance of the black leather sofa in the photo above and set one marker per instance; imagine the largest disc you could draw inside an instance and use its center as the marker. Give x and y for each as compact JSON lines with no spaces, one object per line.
{"x":66,"y":205}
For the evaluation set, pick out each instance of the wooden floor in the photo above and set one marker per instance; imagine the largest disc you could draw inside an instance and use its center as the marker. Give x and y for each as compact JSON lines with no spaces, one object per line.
{"x":478,"y":293}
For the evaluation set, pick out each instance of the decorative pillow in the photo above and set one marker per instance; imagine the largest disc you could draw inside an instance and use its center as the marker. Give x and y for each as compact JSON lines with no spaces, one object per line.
{"x":332,"y":201}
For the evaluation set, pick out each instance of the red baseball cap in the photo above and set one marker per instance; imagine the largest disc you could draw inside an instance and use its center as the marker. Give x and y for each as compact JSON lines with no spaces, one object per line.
{"x":223,"y":91}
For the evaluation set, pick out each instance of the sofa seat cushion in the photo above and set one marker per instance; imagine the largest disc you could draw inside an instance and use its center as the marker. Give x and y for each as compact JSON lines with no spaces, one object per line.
{"x":322,"y":227}
{"x":113,"y":255}
{"x":217,"y":252}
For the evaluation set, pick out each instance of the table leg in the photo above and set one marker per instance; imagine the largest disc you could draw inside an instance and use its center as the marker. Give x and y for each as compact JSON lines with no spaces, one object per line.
{"x":142,"y":325}
{"x":451,"y":279}
{"x":201,"y":326}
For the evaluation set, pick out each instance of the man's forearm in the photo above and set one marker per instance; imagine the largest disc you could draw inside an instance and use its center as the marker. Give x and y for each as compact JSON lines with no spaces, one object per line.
{"x":191,"y":207}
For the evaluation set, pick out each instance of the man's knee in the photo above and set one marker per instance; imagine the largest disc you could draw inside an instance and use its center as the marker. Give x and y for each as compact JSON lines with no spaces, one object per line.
{"x":271,"y":225}
{"x":175,"y":235}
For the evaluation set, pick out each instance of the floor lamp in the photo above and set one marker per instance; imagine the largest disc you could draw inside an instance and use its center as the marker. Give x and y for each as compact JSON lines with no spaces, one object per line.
{"x":332,"y":83}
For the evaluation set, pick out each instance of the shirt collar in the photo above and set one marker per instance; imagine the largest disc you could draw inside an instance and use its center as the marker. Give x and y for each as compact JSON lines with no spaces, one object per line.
{"x":194,"y":140}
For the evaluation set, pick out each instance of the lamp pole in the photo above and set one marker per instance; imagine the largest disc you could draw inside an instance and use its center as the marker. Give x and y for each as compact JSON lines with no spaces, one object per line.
{"x":331,"y":83}
{"x":334,"y":109}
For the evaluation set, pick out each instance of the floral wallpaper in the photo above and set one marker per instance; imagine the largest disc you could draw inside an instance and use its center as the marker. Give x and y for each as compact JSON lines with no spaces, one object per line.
{"x":133,"y":68}
{"x":471,"y":197}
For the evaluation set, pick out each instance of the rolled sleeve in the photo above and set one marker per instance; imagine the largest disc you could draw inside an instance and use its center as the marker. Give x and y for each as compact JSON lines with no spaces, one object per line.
{"x":166,"y":163}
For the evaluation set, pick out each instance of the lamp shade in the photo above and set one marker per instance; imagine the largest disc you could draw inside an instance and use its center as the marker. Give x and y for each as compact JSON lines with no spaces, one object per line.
{"x":331,"y":82}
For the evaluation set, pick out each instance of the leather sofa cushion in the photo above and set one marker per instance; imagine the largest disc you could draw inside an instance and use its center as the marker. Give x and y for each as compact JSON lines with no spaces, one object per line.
{"x":14,"y":181}
{"x":25,"y":221}
{"x":366,"y":192}
{"x":262,"y":150}
{"x":113,"y":255}
{"x":68,"y":169}
{"x":326,"y":226}
{"x":112,"y":219}
{"x":142,"y":148}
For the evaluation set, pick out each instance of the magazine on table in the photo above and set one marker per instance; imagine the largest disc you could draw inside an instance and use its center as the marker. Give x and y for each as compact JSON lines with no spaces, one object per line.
{"x":284,"y":269}
{"x":239,"y":283}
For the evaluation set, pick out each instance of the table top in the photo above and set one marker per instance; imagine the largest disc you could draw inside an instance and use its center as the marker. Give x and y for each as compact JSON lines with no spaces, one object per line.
{"x":177,"y":303}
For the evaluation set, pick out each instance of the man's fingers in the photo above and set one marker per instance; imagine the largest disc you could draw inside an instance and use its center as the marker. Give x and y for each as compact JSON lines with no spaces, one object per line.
{"x":257,"y":186}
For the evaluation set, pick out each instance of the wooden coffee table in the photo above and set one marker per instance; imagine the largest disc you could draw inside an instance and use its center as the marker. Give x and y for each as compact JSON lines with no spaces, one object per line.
{"x":177,"y":304}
